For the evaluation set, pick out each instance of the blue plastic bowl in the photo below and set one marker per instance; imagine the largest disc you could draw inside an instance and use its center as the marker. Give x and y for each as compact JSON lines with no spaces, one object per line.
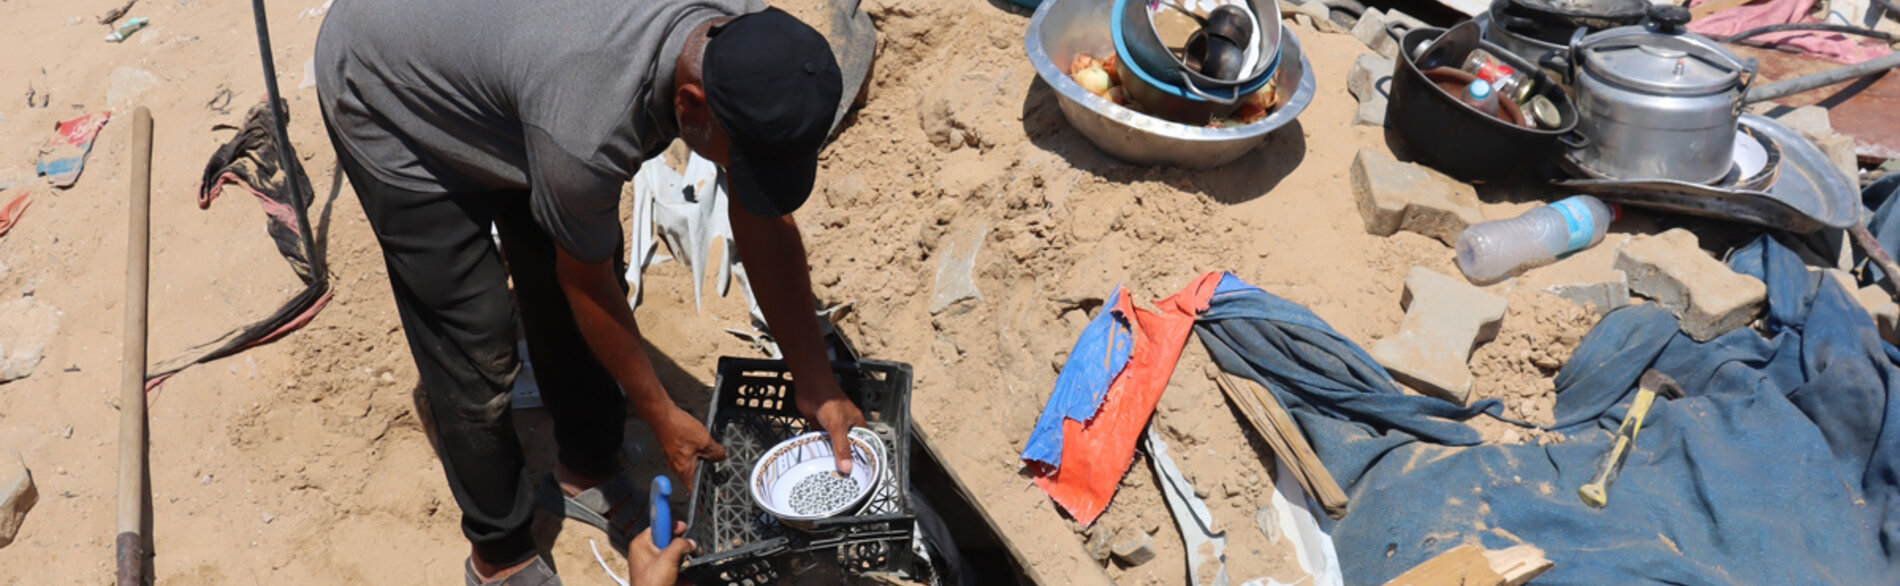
{"x":1174,"y":89}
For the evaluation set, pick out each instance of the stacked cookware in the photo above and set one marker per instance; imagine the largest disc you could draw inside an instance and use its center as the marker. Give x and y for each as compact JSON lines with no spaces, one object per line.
{"x":1232,"y":52}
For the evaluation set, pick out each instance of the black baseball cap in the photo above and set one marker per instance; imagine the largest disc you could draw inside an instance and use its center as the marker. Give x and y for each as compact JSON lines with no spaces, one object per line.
{"x":773,"y":85}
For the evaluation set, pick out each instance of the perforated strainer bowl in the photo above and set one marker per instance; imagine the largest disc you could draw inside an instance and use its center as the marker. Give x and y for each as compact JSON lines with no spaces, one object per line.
{"x":792,"y":461}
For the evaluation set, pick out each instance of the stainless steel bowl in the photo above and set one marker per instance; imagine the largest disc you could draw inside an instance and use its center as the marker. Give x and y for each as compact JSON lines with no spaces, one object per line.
{"x":1062,"y":28}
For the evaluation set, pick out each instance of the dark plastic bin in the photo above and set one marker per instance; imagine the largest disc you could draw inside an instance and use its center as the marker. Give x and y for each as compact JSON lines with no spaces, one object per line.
{"x":752,"y":410}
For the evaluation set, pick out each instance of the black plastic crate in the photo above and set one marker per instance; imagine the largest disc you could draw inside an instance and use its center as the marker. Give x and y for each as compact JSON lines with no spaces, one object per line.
{"x":752,"y":410}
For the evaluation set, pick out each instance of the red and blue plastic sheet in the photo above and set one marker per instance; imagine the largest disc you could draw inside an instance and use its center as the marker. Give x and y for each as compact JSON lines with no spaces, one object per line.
{"x":1098,"y":356}
{"x":1096,"y":450}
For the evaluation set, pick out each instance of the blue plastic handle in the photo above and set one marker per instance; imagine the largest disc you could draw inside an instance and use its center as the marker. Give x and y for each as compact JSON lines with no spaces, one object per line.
{"x":661,"y":512}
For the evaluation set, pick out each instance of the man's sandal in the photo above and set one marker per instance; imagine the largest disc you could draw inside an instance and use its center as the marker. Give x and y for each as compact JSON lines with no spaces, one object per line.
{"x":595,"y":507}
{"x":536,"y":574}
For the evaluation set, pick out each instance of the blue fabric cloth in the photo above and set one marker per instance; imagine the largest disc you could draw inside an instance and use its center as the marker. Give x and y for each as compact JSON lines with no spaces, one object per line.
{"x":1776,"y":467}
{"x":1099,"y":354}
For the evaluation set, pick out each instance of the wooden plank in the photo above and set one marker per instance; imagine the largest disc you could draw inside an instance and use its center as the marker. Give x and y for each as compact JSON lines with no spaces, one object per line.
{"x":1470,"y":565}
{"x":1867,"y":109}
{"x":1268,"y":418}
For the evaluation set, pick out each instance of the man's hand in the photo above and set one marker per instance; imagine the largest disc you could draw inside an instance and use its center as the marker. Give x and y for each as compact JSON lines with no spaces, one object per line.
{"x":606,"y":322}
{"x":774,"y":256}
{"x":825,"y":406}
{"x":685,"y":441}
{"x":651,"y":566}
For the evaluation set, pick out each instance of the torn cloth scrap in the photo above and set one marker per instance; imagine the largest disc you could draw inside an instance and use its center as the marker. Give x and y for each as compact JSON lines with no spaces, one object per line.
{"x":10,"y":212}
{"x":1827,"y":45}
{"x":64,"y":156}
{"x":250,"y":160}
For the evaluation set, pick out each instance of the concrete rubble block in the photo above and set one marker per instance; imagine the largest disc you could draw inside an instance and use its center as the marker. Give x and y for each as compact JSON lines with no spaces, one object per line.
{"x":1371,"y":112}
{"x":1880,"y":305}
{"x":1839,"y":149}
{"x":1322,"y":15}
{"x":1811,"y":121}
{"x":1134,"y":547}
{"x":17,"y":495}
{"x":1367,"y":70}
{"x":1370,"y":28}
{"x":1883,"y":309}
{"x":1588,"y":278}
{"x":1099,"y":543}
{"x":1445,"y":319}
{"x":1397,"y":196}
{"x":1671,"y":269}
{"x":955,"y":281}
{"x":26,"y":325}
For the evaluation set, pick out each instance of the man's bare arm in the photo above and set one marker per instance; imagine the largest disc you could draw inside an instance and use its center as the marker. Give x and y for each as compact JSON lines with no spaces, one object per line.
{"x":606,"y":322}
{"x":774,"y":255}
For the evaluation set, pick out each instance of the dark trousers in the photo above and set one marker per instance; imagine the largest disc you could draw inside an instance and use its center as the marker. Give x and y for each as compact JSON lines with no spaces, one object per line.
{"x":451,"y":287}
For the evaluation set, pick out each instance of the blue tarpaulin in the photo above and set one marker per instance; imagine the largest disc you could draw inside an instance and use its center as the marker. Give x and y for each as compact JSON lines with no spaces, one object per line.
{"x":1099,"y":354}
{"x":1778,"y":465}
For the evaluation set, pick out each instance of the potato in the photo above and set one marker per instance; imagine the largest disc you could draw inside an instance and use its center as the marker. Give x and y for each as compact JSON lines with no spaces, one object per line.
{"x":1113,"y":67}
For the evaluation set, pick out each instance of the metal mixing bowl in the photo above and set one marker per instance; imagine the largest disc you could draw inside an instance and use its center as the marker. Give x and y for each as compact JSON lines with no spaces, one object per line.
{"x":1062,"y":28}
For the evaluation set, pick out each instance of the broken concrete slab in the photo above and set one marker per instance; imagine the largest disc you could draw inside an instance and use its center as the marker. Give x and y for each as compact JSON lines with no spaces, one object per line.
{"x":17,"y":495}
{"x":1371,"y":112}
{"x":1367,"y":71}
{"x":1885,"y":311}
{"x":1099,"y":543}
{"x":1321,"y":14}
{"x":1588,"y":278}
{"x":1445,"y":319}
{"x":1671,"y":269}
{"x":1397,"y":196}
{"x":1134,"y":547}
{"x":1840,"y":151}
{"x":955,"y":265}
{"x":1810,"y":121}
{"x":1370,"y":28}
{"x":26,"y":325}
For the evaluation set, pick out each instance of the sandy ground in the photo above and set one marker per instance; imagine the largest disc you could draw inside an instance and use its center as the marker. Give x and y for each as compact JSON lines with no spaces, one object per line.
{"x":303,"y":462}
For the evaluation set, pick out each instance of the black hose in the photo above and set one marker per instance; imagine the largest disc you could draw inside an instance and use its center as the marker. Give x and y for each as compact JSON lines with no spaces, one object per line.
{"x":299,"y":200}
{"x":1893,"y":9}
{"x":1812,"y":26}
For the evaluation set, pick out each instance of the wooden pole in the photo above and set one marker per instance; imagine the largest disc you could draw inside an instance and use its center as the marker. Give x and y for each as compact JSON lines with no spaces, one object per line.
{"x":132,"y":448}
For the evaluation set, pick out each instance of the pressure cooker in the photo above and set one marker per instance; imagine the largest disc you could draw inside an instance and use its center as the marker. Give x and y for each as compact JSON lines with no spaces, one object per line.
{"x":1655,"y":101}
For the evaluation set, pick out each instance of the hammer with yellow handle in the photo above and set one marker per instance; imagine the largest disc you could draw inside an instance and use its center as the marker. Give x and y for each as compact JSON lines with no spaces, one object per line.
{"x":1597,"y":492}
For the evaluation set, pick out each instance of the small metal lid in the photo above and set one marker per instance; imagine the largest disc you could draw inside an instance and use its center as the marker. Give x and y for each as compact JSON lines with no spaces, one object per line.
{"x":1661,"y":57}
{"x":1545,"y":112}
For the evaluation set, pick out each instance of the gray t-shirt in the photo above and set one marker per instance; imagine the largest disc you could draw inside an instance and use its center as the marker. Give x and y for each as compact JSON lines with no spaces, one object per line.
{"x":564,"y":98}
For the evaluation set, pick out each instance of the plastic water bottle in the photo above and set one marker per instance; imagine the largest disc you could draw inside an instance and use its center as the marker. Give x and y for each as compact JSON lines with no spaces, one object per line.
{"x":1480,"y":96}
{"x":1493,"y":250}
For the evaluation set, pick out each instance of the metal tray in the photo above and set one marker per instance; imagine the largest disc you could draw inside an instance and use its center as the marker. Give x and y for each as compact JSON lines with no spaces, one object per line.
{"x":1808,"y":194}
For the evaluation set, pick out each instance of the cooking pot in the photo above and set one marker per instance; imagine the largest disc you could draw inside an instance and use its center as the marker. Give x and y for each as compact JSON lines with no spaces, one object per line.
{"x":1551,"y":57}
{"x":1656,"y":101}
{"x":1136,"y":40}
{"x":1442,"y":132}
{"x":1553,"y":20}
